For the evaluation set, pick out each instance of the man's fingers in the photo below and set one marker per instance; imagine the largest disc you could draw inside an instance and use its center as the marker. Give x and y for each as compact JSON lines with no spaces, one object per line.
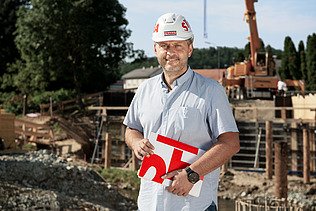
{"x":169,"y":175}
{"x":148,"y":144}
{"x":146,"y":147}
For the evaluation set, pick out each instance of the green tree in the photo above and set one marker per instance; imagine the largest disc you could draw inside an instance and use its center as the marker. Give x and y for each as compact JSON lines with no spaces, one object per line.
{"x":302,"y":59}
{"x":219,"y":57}
{"x":311,"y":62}
{"x":70,"y":44}
{"x":204,"y":58}
{"x":8,"y":51}
{"x":289,"y":65}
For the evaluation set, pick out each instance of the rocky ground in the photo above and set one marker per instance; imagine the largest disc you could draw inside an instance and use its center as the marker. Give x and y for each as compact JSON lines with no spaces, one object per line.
{"x":255,"y":187}
{"x":40,"y":180}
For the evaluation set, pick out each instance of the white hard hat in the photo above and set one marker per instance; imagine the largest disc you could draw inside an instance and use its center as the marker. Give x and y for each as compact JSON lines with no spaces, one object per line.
{"x":171,"y":26}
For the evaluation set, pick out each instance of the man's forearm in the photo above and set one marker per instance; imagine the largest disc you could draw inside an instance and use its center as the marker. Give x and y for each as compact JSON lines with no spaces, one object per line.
{"x":138,"y":144}
{"x":218,"y":155}
{"x":132,"y":136}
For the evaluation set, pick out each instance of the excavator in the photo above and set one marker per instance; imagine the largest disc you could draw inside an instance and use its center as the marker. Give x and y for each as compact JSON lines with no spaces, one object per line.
{"x":256,"y":77}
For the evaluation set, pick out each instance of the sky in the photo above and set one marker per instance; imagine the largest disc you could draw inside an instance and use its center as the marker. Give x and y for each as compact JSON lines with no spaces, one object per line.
{"x":225,"y":25}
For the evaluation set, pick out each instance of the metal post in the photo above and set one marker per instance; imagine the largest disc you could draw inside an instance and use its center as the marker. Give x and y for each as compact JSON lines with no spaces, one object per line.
{"x":256,"y":163}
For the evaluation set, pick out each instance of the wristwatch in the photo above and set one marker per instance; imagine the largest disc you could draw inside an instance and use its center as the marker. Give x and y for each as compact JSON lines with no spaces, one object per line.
{"x":193,"y":177}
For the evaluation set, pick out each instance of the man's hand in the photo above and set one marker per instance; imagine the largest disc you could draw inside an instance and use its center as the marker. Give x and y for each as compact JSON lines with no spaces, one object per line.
{"x":180,"y":184}
{"x":140,"y":145}
{"x":142,"y":148}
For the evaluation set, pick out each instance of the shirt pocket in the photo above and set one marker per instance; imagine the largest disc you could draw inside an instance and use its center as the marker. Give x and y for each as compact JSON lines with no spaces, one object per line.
{"x":189,"y":124}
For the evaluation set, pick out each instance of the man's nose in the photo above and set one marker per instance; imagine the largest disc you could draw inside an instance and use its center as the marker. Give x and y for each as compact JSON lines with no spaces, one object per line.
{"x":170,"y":49}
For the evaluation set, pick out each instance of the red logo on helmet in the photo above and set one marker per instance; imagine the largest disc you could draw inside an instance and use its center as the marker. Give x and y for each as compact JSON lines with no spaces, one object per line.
{"x":156,"y":28}
{"x":170,"y":33}
{"x":185,"y":25}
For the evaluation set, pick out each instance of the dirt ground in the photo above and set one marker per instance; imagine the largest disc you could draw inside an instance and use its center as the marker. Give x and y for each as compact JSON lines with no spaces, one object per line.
{"x":242,"y":185}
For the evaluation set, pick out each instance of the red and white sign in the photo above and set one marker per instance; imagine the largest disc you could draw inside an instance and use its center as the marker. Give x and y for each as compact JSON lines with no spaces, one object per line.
{"x":169,"y":155}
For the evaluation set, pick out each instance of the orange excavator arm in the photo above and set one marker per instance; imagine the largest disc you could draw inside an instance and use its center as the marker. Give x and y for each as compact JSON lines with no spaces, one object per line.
{"x":250,"y":16}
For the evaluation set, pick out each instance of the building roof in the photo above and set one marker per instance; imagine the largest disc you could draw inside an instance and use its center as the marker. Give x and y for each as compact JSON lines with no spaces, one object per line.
{"x":216,"y":74}
{"x":143,"y":73}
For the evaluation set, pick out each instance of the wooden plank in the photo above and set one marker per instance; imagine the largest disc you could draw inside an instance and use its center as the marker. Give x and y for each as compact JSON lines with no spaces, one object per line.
{"x":20,"y":122}
{"x":20,"y":131}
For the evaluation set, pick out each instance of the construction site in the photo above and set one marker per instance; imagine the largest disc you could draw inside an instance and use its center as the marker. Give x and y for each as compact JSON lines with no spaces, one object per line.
{"x":277,"y":144}
{"x":48,"y":159}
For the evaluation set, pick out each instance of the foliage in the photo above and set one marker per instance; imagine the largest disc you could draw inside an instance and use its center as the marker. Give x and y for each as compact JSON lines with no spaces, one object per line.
{"x":29,"y":147}
{"x":11,"y":102}
{"x":302,"y":60}
{"x":57,"y":96}
{"x":69,"y":44}
{"x":8,"y":51}
{"x":290,"y":63}
{"x":219,"y":57}
{"x":119,"y":176}
{"x":203,"y":58}
{"x":311,"y":62}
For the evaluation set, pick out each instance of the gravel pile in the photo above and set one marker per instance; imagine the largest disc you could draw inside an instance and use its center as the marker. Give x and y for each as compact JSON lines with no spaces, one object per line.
{"x":40,"y":180}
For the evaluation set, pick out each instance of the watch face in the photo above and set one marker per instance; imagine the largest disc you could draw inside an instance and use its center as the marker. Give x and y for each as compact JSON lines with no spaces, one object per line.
{"x":193,"y":177}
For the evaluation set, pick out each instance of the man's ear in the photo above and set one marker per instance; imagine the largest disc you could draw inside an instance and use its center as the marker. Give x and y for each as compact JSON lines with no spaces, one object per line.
{"x":190,"y":50}
{"x":155,"y":48}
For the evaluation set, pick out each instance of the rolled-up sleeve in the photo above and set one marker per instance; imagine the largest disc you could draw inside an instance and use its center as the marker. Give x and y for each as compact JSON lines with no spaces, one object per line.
{"x":132,"y":119}
{"x":221,"y":115}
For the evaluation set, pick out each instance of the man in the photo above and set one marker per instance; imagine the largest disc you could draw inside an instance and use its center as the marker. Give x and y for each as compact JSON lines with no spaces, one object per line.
{"x":184,"y":106}
{"x":282,"y":88}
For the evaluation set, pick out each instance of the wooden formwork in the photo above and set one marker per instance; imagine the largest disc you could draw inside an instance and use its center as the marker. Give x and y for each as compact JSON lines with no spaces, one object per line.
{"x":7,"y":130}
{"x":253,"y":147}
{"x":33,"y":132}
{"x":260,"y":148}
{"x":113,"y":150}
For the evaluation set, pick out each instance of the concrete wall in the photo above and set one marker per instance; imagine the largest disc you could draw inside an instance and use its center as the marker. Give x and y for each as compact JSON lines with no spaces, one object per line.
{"x":308,"y":102}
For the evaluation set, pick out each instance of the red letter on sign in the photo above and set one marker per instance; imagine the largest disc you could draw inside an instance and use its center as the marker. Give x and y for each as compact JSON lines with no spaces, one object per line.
{"x":157,"y":162}
{"x":176,"y":162}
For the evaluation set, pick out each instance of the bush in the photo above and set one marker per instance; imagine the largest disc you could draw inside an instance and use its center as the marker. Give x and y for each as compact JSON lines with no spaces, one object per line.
{"x":123,"y":178}
{"x":56,"y":96}
{"x":13,"y":103}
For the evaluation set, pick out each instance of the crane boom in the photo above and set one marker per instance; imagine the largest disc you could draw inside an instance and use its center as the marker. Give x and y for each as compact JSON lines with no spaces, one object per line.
{"x":205,"y":28}
{"x":250,"y":16}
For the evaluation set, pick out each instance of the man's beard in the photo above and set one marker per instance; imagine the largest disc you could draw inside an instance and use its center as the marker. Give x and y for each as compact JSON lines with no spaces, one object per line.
{"x":173,"y":68}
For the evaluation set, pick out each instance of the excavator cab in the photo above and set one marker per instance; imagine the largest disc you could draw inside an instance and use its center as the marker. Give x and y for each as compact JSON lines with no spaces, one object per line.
{"x":261,"y":63}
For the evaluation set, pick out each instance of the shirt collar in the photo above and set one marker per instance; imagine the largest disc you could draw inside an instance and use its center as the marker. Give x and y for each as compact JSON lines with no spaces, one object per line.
{"x":181,"y":80}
